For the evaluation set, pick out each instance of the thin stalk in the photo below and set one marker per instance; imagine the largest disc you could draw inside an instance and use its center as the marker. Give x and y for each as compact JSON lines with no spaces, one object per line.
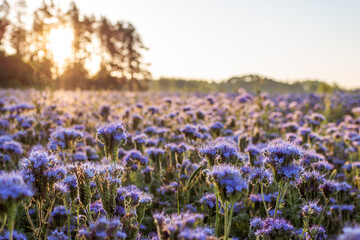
{"x":89,"y":213}
{"x":226,"y":209}
{"x":305,"y":227}
{"x":78,"y":220}
{"x":68,"y":211}
{"x":178,"y":199}
{"x":278,"y":198}
{"x":230,"y":218}
{"x":29,"y":218}
{"x":321,"y":216}
{"x":217,"y":231}
{"x":284,"y":193}
{"x":3,"y":223}
{"x":263,"y":199}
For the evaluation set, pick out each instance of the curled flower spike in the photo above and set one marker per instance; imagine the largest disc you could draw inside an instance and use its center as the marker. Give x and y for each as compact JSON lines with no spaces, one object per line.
{"x":308,"y":185}
{"x":112,"y":135}
{"x":328,"y":189}
{"x":317,"y":233}
{"x":311,"y":209}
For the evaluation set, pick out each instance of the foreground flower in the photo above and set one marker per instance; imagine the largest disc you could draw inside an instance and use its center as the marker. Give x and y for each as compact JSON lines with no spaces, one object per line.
{"x":12,"y":192}
{"x":350,"y":233}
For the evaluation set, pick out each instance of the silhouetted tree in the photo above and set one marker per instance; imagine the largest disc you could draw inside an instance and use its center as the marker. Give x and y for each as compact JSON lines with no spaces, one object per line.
{"x":18,"y":32}
{"x":4,"y":21}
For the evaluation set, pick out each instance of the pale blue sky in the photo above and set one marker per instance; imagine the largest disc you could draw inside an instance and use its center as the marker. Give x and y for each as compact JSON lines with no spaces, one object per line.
{"x":214,"y":39}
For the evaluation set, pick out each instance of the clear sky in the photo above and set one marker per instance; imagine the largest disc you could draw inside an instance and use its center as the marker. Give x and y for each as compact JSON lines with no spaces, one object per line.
{"x":216,"y":39}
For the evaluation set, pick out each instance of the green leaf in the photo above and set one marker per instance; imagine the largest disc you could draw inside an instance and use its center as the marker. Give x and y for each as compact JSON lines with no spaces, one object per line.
{"x":193,"y":177}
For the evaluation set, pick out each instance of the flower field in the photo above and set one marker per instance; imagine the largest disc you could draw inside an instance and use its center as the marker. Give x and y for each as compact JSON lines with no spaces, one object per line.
{"x":192,"y":166}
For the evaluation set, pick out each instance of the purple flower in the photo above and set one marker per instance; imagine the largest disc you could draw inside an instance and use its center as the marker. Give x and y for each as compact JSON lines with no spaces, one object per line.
{"x":260,"y":176}
{"x":328,"y":188}
{"x":274,"y":228}
{"x":57,"y":235}
{"x":229,"y":182}
{"x":308,"y":185}
{"x":209,"y":200}
{"x":323,"y":166}
{"x":350,"y":233}
{"x":288,"y":173}
{"x":280,"y":153}
{"x":112,"y":135}
{"x":13,"y":189}
{"x":317,"y":233}
{"x":225,"y":151}
{"x":65,"y":138}
{"x":12,"y":147}
{"x":311,"y":209}
{"x":15,"y":234}
{"x":135,"y":157}
{"x":79,"y":157}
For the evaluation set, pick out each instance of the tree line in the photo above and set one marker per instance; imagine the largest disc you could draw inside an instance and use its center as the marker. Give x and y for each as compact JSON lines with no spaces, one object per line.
{"x":26,"y":61}
{"x":251,"y":83}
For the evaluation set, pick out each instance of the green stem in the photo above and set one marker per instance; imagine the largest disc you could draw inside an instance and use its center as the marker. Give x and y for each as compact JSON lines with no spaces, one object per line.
{"x":226,"y":209}
{"x":217,"y":232}
{"x":278,"y":198}
{"x":305,"y":227}
{"x":3,"y":222}
{"x":78,"y":220}
{"x":68,"y":217}
{"x":321,"y":216}
{"x":89,"y":213}
{"x":284,"y":193}
{"x":230,"y":218}
{"x":263,"y":199}
{"x":178,"y":199}
{"x":29,"y":218}
{"x":11,"y":221}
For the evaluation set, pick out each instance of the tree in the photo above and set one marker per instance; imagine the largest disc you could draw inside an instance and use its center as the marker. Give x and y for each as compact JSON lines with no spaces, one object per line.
{"x":134,"y":59}
{"x":18,"y":34}
{"x":121,"y":52}
{"x":4,"y":21}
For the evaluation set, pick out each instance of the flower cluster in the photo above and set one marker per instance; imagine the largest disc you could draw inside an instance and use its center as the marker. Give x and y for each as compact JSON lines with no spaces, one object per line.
{"x":280,"y":156}
{"x":272,"y":228}
{"x":228,"y":181}
{"x":64,"y":138}
{"x":112,"y":135}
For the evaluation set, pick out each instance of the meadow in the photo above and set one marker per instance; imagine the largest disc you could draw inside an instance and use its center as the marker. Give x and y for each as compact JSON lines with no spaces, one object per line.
{"x":191,"y":166}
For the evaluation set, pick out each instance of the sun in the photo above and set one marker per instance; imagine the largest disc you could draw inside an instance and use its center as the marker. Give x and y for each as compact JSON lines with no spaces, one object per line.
{"x":60,"y":44}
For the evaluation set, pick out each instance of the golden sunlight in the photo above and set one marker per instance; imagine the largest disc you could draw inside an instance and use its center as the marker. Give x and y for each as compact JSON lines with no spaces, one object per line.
{"x":60,"y":44}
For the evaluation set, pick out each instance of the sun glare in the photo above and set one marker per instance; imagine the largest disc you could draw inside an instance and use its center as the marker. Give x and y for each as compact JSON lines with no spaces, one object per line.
{"x":60,"y":44}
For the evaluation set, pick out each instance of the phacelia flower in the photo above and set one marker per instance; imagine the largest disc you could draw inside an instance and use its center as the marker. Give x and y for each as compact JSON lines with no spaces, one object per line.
{"x":13,"y":190}
{"x":260,"y":176}
{"x":311,"y":209}
{"x":229,"y":182}
{"x":65,"y":138}
{"x":112,"y":135}
{"x":274,"y":228}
